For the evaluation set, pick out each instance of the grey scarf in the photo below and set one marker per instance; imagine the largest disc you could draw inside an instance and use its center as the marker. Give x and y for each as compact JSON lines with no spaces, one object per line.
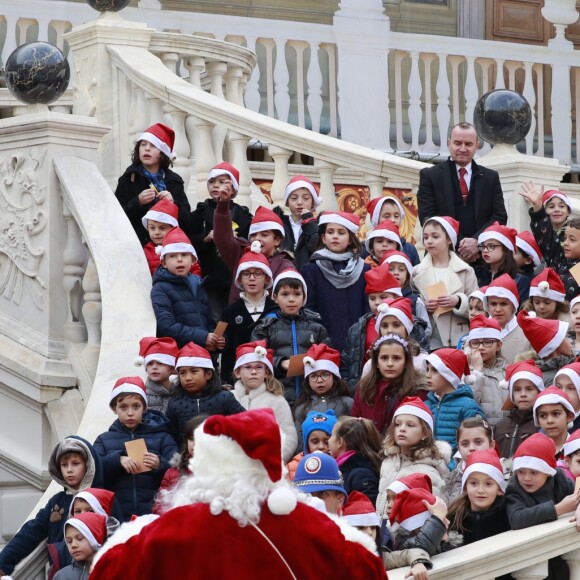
{"x":346,"y":276}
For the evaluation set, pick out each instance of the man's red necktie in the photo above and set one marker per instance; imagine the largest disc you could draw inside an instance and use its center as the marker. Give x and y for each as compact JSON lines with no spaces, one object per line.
{"x":463,"y":184}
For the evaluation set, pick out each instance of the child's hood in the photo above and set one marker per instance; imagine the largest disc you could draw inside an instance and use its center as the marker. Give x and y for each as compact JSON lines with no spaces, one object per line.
{"x":75,"y":444}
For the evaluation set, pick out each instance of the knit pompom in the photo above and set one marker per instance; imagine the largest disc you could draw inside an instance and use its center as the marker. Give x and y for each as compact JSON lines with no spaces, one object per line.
{"x":256,"y":247}
{"x":503,"y":384}
{"x":532,"y":314}
{"x":139,"y":361}
{"x":308,"y":361}
{"x":281,"y":502}
{"x":382,"y":308}
{"x":471,"y":378}
{"x":174,"y":379}
{"x":158,"y":250}
{"x":543,"y":286}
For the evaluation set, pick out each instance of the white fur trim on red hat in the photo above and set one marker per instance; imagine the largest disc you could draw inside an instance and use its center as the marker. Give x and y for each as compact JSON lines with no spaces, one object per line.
{"x":85,"y":531}
{"x":572,"y":445}
{"x":495,"y":235}
{"x":290,"y":274}
{"x":316,"y":366}
{"x":483,"y":333}
{"x":179,"y":248}
{"x":574,"y":301}
{"x":225,"y":168}
{"x":498,"y":292}
{"x":556,"y":340}
{"x":259,"y":355}
{"x":334,"y":218}
{"x":385,"y":309}
{"x":415,"y":522}
{"x":446,"y":225}
{"x":444,"y":370}
{"x":548,"y":195}
{"x":194,"y":361}
{"x":159,"y":216}
{"x":572,"y":375}
{"x":158,"y":140}
{"x":397,"y":487}
{"x":301,"y":182}
{"x":416,"y":412}
{"x":550,"y":398}
{"x":535,"y":379}
{"x":126,"y":389}
{"x":486,"y":469}
{"x":369,"y":520}
{"x":399,"y":258}
{"x":535,"y":463}
{"x":529,"y":250}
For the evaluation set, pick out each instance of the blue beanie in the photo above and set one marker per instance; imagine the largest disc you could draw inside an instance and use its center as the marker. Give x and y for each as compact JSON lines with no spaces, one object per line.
{"x":317,"y":421}
{"x":318,"y":472}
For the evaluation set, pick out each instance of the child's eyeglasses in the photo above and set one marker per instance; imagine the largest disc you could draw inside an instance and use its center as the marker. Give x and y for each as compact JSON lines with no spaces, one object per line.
{"x":484,"y":343}
{"x":257,"y":368}
{"x":324,"y":376}
{"x":487,"y":247}
{"x":257,"y":275}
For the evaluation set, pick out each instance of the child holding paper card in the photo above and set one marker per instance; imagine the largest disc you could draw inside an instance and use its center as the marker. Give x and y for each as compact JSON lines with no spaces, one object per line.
{"x":444,"y":281}
{"x":134,"y":488}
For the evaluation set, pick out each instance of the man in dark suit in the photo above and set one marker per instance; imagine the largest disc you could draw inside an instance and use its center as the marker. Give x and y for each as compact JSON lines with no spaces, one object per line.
{"x":462,"y":189}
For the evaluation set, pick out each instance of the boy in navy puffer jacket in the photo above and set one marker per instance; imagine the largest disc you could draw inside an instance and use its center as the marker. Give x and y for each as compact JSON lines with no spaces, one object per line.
{"x":134,"y":489}
{"x":179,"y":301}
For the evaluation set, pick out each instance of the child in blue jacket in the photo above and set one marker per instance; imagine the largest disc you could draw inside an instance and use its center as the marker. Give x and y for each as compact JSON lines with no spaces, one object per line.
{"x":134,"y":489}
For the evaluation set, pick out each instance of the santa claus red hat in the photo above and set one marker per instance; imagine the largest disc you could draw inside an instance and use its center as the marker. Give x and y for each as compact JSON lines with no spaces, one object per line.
{"x":415,"y":406}
{"x":100,"y":500}
{"x":92,"y":526}
{"x":359,"y":511}
{"x":320,"y":357}
{"x":526,"y":242}
{"x":300,"y":182}
{"x":193,"y":355}
{"x":176,"y":242}
{"x":225,"y":168}
{"x":379,"y":280}
{"x":256,"y":351}
{"x":481,"y":327}
{"x":386,"y":229}
{"x":161,"y":136}
{"x":526,"y":369}
{"x":408,"y":511}
{"x":126,"y":386}
{"x":265,"y":219}
{"x":451,"y":364}
{"x":551,"y":193}
{"x":544,"y":335}
{"x":547,"y":284}
{"x":480,"y":295}
{"x":484,"y":461}
{"x":164,"y":211}
{"x":347,"y":220}
{"x":503,"y":234}
{"x":503,"y":286}
{"x":572,"y":444}
{"x":572,"y":371}
{"x":374,"y":207}
{"x":395,"y":257}
{"x":574,"y":301}
{"x":552,"y":396}
{"x":411,"y":481}
{"x":253,"y":258}
{"x":292,"y":274}
{"x":537,"y":452}
{"x":400,"y":308}
{"x":163,"y":350}
{"x":450,"y":225}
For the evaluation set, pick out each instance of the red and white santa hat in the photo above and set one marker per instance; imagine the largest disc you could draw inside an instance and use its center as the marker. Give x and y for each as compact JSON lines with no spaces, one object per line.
{"x":572,"y":371}
{"x":163,"y":350}
{"x":176,"y":242}
{"x":481,"y":327}
{"x":294,"y":275}
{"x":253,"y":258}
{"x":480,"y":295}
{"x":359,"y":511}
{"x":415,"y":406}
{"x":92,"y":526}
{"x":164,"y":211}
{"x":526,"y":242}
{"x":503,"y":286}
{"x":245,"y":445}
{"x":551,"y":193}
{"x":400,"y":308}
{"x":299,"y":182}
{"x":256,"y":351}
{"x":547,"y":284}
{"x":193,"y":355}
{"x":386,"y":229}
{"x":484,"y":461}
{"x":129,"y":385}
{"x":320,"y":357}
{"x":379,"y":280}
{"x":537,"y":452}
{"x":525,"y":369}
{"x":374,"y":207}
{"x":552,"y":396}
{"x":450,"y":225}
{"x":161,"y":136}
{"x":347,"y":220}
{"x":572,"y":444}
{"x":225,"y":168}
{"x":408,"y":511}
{"x":411,"y":481}
{"x":265,"y":219}
{"x":503,"y":234}
{"x":395,"y":257}
{"x":544,"y":335}
{"x":451,"y":364}
{"x":100,"y":500}
{"x":574,"y":301}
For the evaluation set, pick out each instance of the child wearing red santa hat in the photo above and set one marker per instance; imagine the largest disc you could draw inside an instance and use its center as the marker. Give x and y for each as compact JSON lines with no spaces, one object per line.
{"x":568,"y":379}
{"x":552,"y":414}
{"x":570,"y":465}
{"x":528,"y":255}
{"x":548,"y":297}
{"x":383,"y":237}
{"x":149,"y":179}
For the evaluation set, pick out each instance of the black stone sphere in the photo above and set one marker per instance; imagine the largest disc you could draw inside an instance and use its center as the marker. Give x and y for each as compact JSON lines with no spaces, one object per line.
{"x":108,"y":5}
{"x":502,"y":116}
{"x":37,"y":72}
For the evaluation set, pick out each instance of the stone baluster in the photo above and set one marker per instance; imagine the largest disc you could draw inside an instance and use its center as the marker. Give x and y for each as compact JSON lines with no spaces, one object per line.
{"x":43,"y":30}
{"x":281,"y":78}
{"x":74,"y":258}
{"x":539,"y":68}
{"x":239,"y":159}
{"x":280,"y":157}
{"x":376,"y":184}
{"x":205,"y":157}
{"x":332,"y":89}
{"x":92,"y":312}
{"x":268,"y":45}
{"x":443,"y":113}
{"x":233,"y":79}
{"x":252,"y":95}
{"x":10,"y":38}
{"x":242,"y":87}
{"x":60,"y":27}
{"x":530,"y":95}
{"x":573,"y":560}
{"x":299,"y":48}
{"x":512,"y":68}
{"x":326,"y":171}
{"x":195,"y":66}
{"x":415,"y":112}
{"x":455,"y":61}
{"x":155,"y":108}
{"x":134,"y":129}
{"x":314,"y":80}
{"x":216,"y":71}
{"x":499,"y":78}
{"x":427,"y":61}
{"x":535,"y":572}
{"x":471,"y":90}
{"x":181,"y":146}
{"x":141,"y":117}
{"x":398,"y":62}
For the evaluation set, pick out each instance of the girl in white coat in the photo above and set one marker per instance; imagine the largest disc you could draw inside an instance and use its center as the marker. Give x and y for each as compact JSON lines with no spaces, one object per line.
{"x":448,"y":312}
{"x":256,"y":388}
